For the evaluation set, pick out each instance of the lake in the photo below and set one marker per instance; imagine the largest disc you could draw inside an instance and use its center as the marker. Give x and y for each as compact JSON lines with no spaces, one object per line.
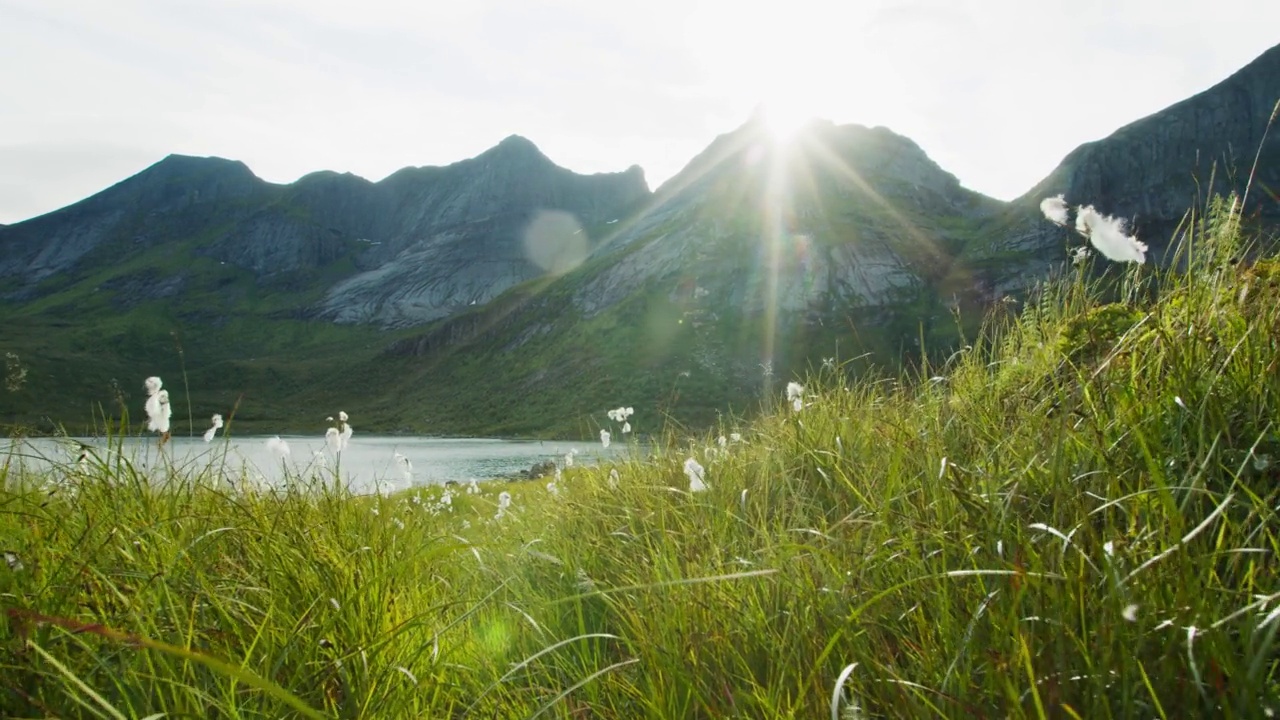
{"x":368,"y":461}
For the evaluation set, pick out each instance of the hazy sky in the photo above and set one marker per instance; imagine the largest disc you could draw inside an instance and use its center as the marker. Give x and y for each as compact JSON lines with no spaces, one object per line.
{"x":996,"y":91}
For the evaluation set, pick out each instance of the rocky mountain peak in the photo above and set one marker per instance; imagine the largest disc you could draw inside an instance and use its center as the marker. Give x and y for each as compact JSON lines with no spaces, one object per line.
{"x":1150,"y":167}
{"x":1153,"y":170}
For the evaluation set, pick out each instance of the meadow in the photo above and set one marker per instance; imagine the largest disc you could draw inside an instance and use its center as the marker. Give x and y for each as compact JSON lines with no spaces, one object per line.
{"x":1073,"y":516}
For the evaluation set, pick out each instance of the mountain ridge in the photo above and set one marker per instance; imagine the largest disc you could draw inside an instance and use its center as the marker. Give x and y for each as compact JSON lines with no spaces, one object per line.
{"x":449,"y":289}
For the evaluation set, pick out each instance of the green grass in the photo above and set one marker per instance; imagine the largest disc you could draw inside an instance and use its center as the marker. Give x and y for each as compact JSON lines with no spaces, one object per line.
{"x":1026,"y":530}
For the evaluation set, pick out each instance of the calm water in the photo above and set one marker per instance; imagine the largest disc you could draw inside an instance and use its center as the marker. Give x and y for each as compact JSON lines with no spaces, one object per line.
{"x":368,"y":461}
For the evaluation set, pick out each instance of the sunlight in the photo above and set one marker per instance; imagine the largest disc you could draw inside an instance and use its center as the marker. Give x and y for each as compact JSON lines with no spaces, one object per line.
{"x":783,"y":120}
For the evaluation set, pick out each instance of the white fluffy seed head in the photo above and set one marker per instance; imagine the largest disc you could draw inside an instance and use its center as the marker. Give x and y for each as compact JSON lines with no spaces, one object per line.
{"x":696,"y":473}
{"x":1055,"y":209}
{"x":278,"y":447}
{"x":1109,"y":235}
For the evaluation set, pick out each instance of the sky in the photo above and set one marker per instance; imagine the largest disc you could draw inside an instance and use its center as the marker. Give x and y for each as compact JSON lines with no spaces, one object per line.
{"x":995,"y":91}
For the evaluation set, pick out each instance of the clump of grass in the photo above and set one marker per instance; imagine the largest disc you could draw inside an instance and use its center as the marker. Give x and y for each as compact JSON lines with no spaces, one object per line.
{"x":1074,"y":516}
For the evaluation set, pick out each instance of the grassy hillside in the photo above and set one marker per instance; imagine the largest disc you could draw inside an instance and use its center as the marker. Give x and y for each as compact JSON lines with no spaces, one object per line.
{"x":1074,"y":516}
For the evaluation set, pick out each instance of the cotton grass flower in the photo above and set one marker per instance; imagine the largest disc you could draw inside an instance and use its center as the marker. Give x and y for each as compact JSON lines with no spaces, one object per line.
{"x":620,"y":415}
{"x":333,"y":440}
{"x":157,"y":407}
{"x":696,"y":473}
{"x":1109,"y":235}
{"x":795,"y":393}
{"x":1055,"y":209}
{"x":216,"y":422}
{"x":613,"y":479}
{"x":278,"y":447}
{"x":406,"y":467}
{"x":504,"y":502}
{"x":344,"y":429}
{"x":604,"y":438}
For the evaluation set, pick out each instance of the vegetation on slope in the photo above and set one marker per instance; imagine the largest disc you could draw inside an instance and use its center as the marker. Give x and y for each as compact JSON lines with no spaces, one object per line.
{"x":1074,"y":516}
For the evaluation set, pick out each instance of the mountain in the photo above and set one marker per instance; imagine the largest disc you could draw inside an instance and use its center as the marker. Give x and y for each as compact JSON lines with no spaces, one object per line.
{"x":412,"y":248}
{"x":505,"y":295}
{"x":1153,"y":171}
{"x":269,"y":287}
{"x":758,"y":256}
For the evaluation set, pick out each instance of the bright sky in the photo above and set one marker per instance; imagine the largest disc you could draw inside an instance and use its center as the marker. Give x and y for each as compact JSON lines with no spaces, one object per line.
{"x":996,"y":91}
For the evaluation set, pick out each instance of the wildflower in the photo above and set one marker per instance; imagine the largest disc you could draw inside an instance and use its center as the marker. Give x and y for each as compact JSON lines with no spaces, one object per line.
{"x":333,"y":439}
{"x":158,"y":408}
{"x":829,"y":363}
{"x":399,"y":523}
{"x":504,"y":502}
{"x":346,"y":430}
{"x":406,"y":467}
{"x":466,"y":524}
{"x":604,"y":438}
{"x":217,"y":425}
{"x":376,"y":512}
{"x":568,"y":457}
{"x":1108,"y":235}
{"x":1179,"y":402}
{"x":721,"y":441}
{"x":735,"y":437}
{"x":473,"y":488}
{"x":795,"y":393}
{"x":1130,"y":613}
{"x":613,"y":479}
{"x":279,"y":447}
{"x":551,"y":488}
{"x":1055,"y":209}
{"x":1079,"y":255}
{"x":342,"y":416}
{"x":626,"y":428}
{"x":1109,"y":548}
{"x":621,"y":414}
{"x":696,"y":473}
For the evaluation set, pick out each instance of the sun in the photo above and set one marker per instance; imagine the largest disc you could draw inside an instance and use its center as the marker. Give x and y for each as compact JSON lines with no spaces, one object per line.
{"x":783,"y":120}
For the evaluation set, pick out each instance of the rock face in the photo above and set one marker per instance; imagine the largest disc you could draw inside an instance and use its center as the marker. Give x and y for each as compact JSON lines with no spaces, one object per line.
{"x":1154,"y":170}
{"x":841,"y":217}
{"x":414,"y":247}
{"x":458,"y":236}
